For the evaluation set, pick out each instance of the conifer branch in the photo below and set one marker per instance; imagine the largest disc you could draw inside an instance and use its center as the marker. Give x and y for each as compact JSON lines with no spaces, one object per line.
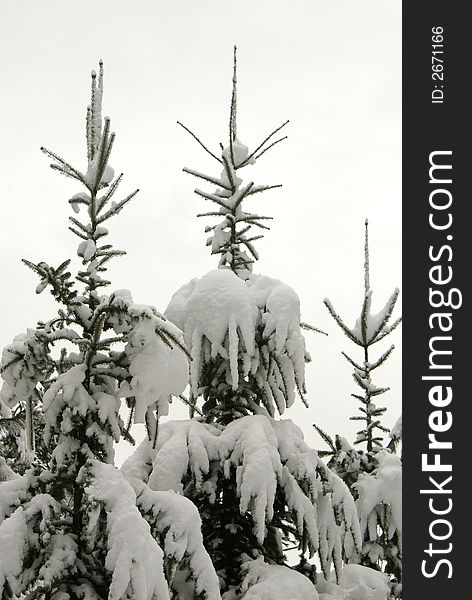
{"x":340,"y":322}
{"x":212,"y":197}
{"x":308,"y":327}
{"x":114,"y":210}
{"x":239,"y":196}
{"x":192,"y":405}
{"x":228,"y":170}
{"x":388,"y":330}
{"x":252,"y":155}
{"x":353,"y":363}
{"x":325,"y":437}
{"x":79,"y":225}
{"x":269,"y":147}
{"x":208,"y":178}
{"x":209,"y":214}
{"x":383,"y":324}
{"x":382,"y":359}
{"x":78,"y":234}
{"x":111,"y":190}
{"x":199,"y":141}
{"x":63,"y":166}
{"x":263,"y":188}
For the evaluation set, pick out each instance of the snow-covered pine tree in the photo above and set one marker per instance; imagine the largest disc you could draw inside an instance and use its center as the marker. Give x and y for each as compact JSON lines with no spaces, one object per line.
{"x":77,"y":528}
{"x":373,"y":474}
{"x":259,"y":488}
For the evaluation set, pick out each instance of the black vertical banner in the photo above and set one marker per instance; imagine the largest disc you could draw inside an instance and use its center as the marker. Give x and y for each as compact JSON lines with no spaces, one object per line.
{"x":437,"y":234}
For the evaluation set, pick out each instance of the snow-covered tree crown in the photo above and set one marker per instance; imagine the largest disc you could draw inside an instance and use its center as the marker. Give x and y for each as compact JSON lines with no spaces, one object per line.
{"x":232,"y":237}
{"x":259,"y":488}
{"x":243,"y":330}
{"x":74,"y":527}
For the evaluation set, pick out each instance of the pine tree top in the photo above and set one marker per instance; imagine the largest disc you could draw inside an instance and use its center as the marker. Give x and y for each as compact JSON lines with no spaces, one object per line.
{"x":232,"y":236}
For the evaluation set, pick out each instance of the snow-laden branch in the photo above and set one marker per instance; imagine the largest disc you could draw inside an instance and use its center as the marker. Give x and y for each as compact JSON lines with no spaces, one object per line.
{"x":266,"y":456}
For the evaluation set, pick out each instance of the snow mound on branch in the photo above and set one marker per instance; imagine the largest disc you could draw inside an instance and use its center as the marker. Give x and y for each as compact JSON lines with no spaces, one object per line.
{"x":362,"y":583}
{"x":281,"y":303}
{"x":315,"y":511}
{"x":17,"y":535}
{"x":62,"y":550}
{"x":12,"y":493}
{"x":158,"y":364}
{"x":158,"y":371}
{"x":12,"y":535}
{"x":136,"y":517}
{"x":250,"y":445}
{"x":217,"y":307}
{"x":382,"y":486}
{"x":177,"y":308}
{"x":275,"y":582}
{"x":23,"y":363}
{"x":178,"y":521}
{"x":355,"y":583}
{"x":219,"y":315}
{"x":264,"y":454}
{"x":182,"y":445}
{"x":65,"y":400}
{"x":240,"y":154}
{"x":134,"y":557}
{"x":90,"y":177}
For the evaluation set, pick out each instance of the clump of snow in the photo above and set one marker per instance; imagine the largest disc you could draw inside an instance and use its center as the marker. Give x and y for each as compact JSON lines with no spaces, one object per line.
{"x":90,"y":177}
{"x":220,"y":315}
{"x":134,"y":557}
{"x":178,"y":522}
{"x":382,"y":486}
{"x":23,"y":364}
{"x":67,"y":391}
{"x":87,"y":249}
{"x":264,"y":454}
{"x":178,"y":306}
{"x":137,"y":518}
{"x":158,"y":371}
{"x":62,"y":559}
{"x":240,"y":153}
{"x":263,"y":581}
{"x":355,"y":582}
{"x":12,"y":538}
{"x":78,"y":199}
{"x":12,"y":493}
{"x":374,"y":324}
{"x":158,"y":366}
{"x":108,"y":411}
{"x":219,"y":307}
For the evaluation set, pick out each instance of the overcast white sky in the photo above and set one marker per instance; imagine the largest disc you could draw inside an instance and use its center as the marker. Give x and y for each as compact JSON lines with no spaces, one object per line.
{"x":332,"y":68}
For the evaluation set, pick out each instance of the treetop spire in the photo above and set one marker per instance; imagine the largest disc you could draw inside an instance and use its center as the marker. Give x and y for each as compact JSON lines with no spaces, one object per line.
{"x":233,"y":112}
{"x":366,"y":258}
{"x":230,"y":238}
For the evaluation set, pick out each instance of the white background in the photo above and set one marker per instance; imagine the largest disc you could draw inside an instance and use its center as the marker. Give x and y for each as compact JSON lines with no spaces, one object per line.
{"x":332,"y":68}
